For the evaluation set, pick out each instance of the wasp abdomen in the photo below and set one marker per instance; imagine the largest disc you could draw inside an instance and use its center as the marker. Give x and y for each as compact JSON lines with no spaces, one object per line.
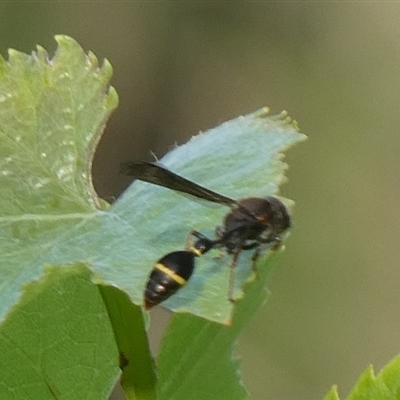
{"x":169,"y":274}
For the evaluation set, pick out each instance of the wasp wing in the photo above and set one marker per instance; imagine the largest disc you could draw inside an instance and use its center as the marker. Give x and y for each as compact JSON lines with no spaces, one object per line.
{"x":154,"y":173}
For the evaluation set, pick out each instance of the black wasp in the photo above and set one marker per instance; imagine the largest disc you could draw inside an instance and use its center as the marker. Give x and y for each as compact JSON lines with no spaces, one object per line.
{"x":252,"y":222}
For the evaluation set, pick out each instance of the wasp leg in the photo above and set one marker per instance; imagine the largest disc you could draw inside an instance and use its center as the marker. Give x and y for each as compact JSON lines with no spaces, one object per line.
{"x":197,"y":234}
{"x":256,"y":254}
{"x":232,"y":266}
{"x":275,"y":241}
{"x":254,"y":259}
{"x":250,"y":246}
{"x":200,"y":246}
{"x":219,"y":232}
{"x":190,"y":241}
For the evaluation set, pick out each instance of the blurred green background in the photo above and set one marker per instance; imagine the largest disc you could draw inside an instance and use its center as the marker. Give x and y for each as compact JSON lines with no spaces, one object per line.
{"x":184,"y":67}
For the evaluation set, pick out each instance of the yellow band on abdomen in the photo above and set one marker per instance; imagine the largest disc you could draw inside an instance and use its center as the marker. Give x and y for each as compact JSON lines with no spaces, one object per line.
{"x":178,"y":279}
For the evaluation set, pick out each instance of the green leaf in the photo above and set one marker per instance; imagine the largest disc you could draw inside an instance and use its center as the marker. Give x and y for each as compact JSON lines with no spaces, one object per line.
{"x":384,"y":386}
{"x":58,"y":342}
{"x":52,"y":113}
{"x":138,"y":377}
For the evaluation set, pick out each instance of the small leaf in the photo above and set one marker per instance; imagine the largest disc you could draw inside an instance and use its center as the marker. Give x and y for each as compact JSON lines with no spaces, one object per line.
{"x":332,"y":394}
{"x":384,"y":386}
{"x":390,"y":376}
{"x":368,"y":387}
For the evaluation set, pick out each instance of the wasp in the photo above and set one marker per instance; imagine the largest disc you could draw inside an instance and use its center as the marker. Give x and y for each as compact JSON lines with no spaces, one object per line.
{"x":251,"y":223}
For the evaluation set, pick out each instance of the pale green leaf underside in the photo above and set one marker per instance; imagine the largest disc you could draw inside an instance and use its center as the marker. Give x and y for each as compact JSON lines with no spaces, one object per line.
{"x":240,"y":158}
{"x":52,"y":114}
